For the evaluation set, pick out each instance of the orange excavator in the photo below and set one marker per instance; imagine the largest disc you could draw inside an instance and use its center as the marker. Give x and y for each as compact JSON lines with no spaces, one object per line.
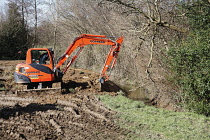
{"x":39,"y":71}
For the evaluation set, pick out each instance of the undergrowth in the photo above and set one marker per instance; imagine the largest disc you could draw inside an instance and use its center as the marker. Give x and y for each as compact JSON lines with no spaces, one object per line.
{"x":188,"y":59}
{"x":148,"y":122}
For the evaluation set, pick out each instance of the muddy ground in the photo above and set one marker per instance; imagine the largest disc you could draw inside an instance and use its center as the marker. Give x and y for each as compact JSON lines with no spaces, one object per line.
{"x":73,"y":113}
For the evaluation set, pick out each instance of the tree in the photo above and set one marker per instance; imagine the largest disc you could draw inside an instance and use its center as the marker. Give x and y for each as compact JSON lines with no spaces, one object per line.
{"x":45,"y":33}
{"x":31,"y":13}
{"x":36,"y":21}
{"x":14,"y":34}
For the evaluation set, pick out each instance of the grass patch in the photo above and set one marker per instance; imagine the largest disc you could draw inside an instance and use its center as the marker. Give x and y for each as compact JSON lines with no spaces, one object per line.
{"x":148,"y":122}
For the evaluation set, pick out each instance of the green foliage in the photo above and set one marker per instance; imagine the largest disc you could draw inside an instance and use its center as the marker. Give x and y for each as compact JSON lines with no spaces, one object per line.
{"x":190,"y":64}
{"x":198,"y":14}
{"x":190,"y":59}
{"x":147,"y":122}
{"x":14,"y":35}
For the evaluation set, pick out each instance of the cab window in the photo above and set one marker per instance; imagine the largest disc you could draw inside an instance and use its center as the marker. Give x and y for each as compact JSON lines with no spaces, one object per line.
{"x":40,"y":57}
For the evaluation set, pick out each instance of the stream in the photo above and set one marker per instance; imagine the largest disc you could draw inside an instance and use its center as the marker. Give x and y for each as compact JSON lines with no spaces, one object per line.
{"x":137,"y":94}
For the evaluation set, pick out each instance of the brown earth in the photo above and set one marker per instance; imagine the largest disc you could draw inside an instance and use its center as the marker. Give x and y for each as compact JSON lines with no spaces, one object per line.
{"x":74,"y":113}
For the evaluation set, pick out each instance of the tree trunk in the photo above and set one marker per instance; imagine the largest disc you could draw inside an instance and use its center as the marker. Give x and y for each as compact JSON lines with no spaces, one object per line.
{"x":35,"y":24}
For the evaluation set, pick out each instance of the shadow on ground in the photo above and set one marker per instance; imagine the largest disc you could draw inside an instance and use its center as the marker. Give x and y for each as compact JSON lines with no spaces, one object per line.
{"x":108,"y":86}
{"x":18,"y":110}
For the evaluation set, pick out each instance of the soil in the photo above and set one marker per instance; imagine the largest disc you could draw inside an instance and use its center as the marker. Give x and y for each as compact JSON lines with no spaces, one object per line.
{"x":75,"y":112}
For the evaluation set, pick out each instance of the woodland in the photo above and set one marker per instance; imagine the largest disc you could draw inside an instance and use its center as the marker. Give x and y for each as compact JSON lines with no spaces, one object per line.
{"x":165,"y":50}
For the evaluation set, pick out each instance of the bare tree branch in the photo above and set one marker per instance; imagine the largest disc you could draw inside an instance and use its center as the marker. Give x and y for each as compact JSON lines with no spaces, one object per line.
{"x":153,"y":20}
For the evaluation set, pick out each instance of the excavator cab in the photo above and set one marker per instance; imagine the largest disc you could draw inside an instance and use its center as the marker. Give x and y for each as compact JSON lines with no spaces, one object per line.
{"x":37,"y":69}
{"x":43,"y":56}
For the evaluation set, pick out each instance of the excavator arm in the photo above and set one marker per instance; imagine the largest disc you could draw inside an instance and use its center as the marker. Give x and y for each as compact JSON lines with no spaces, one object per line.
{"x":86,"y":39}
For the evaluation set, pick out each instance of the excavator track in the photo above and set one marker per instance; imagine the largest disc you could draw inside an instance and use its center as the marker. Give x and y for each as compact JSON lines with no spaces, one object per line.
{"x":37,"y":92}
{"x":34,"y":92}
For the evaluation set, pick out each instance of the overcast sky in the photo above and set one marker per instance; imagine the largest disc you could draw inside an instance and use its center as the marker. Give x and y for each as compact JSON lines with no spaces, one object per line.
{"x":2,"y":2}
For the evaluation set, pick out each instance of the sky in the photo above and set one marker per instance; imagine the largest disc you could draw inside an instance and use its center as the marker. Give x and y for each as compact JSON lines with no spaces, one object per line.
{"x":2,"y":3}
{"x":42,"y":16}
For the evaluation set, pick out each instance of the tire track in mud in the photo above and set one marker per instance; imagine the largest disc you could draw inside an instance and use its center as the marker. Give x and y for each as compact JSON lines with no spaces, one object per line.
{"x":74,"y":117}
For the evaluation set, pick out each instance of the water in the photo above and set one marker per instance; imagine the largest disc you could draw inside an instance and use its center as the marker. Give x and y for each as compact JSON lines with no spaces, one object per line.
{"x":138,"y":94}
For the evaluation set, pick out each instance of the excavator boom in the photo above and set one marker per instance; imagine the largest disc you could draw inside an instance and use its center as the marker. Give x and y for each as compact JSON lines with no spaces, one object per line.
{"x":87,"y":39}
